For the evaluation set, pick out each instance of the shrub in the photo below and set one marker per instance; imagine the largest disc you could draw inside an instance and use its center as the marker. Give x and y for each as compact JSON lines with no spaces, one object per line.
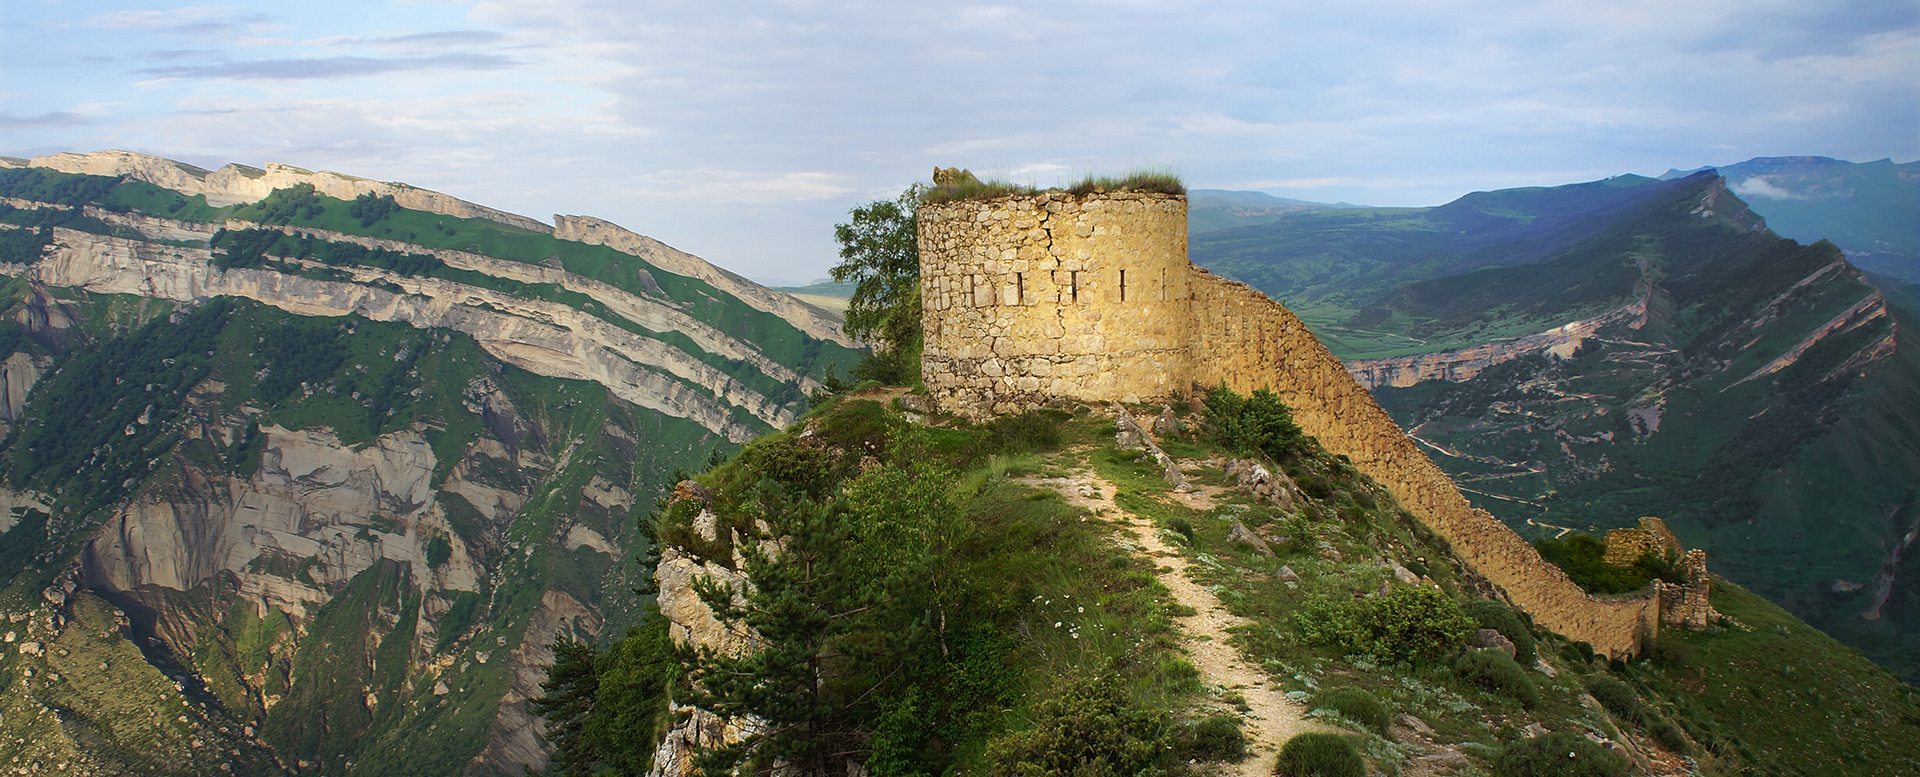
{"x":1408,"y":624}
{"x":1182,"y":526}
{"x":1583,"y":558}
{"x":1614,"y":695}
{"x":439,"y":549}
{"x":1670,"y":737}
{"x":1357,"y":705}
{"x":1319,"y":755}
{"x":1259,"y":423}
{"x":1670,"y":651}
{"x":1496,"y":671}
{"x":1501,"y":618}
{"x":1217,"y":738}
{"x":1029,"y":432}
{"x":1561,"y":754}
{"x":1089,"y":727}
{"x":787,"y":461}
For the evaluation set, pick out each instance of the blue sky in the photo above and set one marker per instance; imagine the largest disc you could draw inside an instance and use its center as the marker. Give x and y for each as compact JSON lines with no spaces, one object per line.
{"x":742,"y":131}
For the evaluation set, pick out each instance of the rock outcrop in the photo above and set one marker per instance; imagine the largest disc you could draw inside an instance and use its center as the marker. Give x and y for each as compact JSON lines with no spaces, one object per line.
{"x":593,"y":231}
{"x":542,"y":337}
{"x":237,"y":184}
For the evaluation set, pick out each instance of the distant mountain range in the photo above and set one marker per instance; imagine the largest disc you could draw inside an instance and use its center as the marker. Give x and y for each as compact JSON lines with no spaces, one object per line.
{"x":1210,"y":210}
{"x":1871,"y":210}
{"x":1582,"y":355}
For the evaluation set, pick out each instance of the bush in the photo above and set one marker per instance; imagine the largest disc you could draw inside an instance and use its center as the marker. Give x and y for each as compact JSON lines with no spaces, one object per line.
{"x":1670,"y":737}
{"x":1319,"y":755}
{"x":1670,"y":651}
{"x":1357,"y":705}
{"x":1614,"y":695}
{"x":1496,"y":671}
{"x":1501,"y":618}
{"x":1561,"y":754}
{"x":439,"y":549}
{"x":1259,"y":423}
{"x":1029,"y":432}
{"x":1180,"y":525}
{"x":1217,"y":738}
{"x":1408,"y":624}
{"x":1089,"y":728}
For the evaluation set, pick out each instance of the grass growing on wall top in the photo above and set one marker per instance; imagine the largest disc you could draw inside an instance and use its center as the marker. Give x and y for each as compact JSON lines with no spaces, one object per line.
{"x":1150,"y":181}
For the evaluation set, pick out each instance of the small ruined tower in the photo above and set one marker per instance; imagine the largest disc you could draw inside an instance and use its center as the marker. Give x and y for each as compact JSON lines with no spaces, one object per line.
{"x":1028,"y":297}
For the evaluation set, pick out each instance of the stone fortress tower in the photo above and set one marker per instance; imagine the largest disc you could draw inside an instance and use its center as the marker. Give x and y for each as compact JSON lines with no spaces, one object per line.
{"x":1054,"y":295}
{"x":1030,"y":297}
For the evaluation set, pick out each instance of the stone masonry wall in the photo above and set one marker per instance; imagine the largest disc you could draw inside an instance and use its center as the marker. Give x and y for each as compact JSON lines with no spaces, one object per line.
{"x":1626,"y":546}
{"x":1024,"y":302}
{"x":1036,"y":296}
{"x":1252,"y":342}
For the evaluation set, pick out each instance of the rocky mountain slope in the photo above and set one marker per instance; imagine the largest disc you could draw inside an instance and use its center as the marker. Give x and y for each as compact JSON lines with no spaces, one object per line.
{"x":328,"y":463}
{"x":1633,"y":347}
{"x":1867,"y":208}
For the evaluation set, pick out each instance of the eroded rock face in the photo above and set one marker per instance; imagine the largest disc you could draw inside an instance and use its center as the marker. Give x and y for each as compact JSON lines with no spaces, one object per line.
{"x":691,"y":623}
{"x":311,"y":498}
{"x":544,"y":338}
{"x":593,"y":231}
{"x":17,"y":375}
{"x":515,"y":739}
{"x":236,"y":184}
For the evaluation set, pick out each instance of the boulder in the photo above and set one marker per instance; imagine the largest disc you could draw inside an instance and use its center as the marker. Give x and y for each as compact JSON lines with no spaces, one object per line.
{"x":1287,"y":574}
{"x":1488,"y":638}
{"x":1241,"y":535}
{"x":1414,"y":724}
{"x":1405,"y":575}
{"x":1166,"y":424}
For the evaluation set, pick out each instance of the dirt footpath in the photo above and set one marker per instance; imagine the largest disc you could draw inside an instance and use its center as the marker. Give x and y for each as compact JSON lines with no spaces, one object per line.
{"x":1273,"y":718}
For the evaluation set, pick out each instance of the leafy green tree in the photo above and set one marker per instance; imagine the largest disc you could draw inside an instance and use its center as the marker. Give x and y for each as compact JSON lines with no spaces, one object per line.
{"x":880,"y":255}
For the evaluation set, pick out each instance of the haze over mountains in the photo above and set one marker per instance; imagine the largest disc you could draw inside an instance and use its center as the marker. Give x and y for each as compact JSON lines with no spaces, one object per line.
{"x":1586,"y":354}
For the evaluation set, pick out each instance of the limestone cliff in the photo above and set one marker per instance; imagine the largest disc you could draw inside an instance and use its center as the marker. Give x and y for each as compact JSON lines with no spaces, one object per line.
{"x":238,"y":184}
{"x":546,"y":338}
{"x":346,"y":550}
{"x":587,"y":229}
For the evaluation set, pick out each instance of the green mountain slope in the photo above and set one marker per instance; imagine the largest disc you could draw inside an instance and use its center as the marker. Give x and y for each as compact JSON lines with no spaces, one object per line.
{"x":1870,"y":209}
{"x":329,"y":474}
{"x":1329,"y":265}
{"x":1223,"y":624}
{"x":1757,"y":394}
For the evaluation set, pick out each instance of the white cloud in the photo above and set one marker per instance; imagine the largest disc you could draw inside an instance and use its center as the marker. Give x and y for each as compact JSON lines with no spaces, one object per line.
{"x":681,"y":117}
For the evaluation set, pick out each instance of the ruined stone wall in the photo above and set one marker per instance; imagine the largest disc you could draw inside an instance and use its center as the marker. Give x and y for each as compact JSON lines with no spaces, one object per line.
{"x":1252,"y":342}
{"x":1024,"y":303}
{"x":1054,"y":295}
{"x":1626,"y":546}
{"x":1687,"y":604}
